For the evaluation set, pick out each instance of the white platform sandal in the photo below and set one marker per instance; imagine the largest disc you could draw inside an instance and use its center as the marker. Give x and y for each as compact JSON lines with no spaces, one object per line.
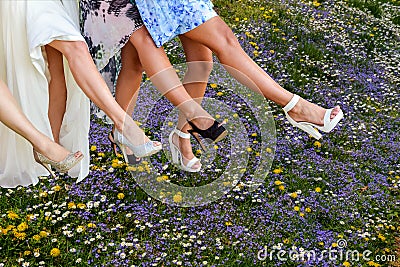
{"x":312,"y":128}
{"x":177,"y":157}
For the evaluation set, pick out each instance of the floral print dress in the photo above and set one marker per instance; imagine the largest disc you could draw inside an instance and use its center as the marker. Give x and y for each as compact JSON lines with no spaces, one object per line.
{"x":166,"y":19}
{"x":107,"y":26}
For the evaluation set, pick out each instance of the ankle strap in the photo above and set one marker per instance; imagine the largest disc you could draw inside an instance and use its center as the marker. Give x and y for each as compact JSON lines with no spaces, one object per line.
{"x":182,"y":134}
{"x":291,"y":103}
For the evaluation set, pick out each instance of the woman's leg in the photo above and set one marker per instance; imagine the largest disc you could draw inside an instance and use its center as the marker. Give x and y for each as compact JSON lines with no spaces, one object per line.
{"x":157,"y":66}
{"x":199,"y":65}
{"x":93,"y":85}
{"x":12,"y":116}
{"x":129,"y":79}
{"x":216,"y":35}
{"x":57,"y":91}
{"x":128,"y":82}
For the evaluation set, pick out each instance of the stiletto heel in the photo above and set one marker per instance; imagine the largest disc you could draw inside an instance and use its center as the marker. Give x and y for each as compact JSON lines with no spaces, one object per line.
{"x":113,"y":144}
{"x":177,"y":157}
{"x":309,"y":127}
{"x":130,"y":159}
{"x":63,"y":166}
{"x":213,"y":134}
{"x":147,"y":149}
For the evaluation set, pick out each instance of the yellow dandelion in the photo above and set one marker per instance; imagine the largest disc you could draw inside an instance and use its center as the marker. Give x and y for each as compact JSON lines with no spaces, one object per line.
{"x":20,"y":236}
{"x":334,"y":245}
{"x":12,"y":215}
{"x":318,"y":189}
{"x":277,"y":171}
{"x":293,"y":195}
{"x":281,"y":187}
{"x":131,"y":168}
{"x":228,"y":223}
{"x":308,"y":210}
{"x":296,"y":208}
{"x":346,"y":264}
{"x":120,"y":195}
{"x":36,"y":237}
{"x":56,"y":188}
{"x":249,"y":149}
{"x":301,"y":214}
{"x":213,"y":85}
{"x":286,"y":241}
{"x":317,"y":144}
{"x":27,"y":253}
{"x":81,"y":206}
{"x":316,"y":3}
{"x":236,"y":19}
{"x":91,"y":225}
{"x":55,"y":252}
{"x":278,"y":182}
{"x":43,"y":234}
{"x":22,"y":227}
{"x":381,"y":237}
{"x":220,"y":94}
{"x":93,"y":148}
{"x":71,"y":205}
{"x":178,"y":197}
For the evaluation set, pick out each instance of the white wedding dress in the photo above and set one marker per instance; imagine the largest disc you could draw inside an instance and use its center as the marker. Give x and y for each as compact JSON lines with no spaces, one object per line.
{"x":25,"y":27}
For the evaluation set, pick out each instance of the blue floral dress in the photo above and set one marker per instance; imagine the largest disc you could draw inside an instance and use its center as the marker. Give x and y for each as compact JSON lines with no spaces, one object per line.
{"x":166,"y":19}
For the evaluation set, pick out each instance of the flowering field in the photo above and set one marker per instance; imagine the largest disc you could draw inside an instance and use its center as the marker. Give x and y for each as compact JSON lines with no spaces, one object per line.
{"x":337,"y":194}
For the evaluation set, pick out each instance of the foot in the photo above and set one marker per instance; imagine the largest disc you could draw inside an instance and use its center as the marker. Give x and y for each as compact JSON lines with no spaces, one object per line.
{"x":134,"y":134}
{"x":54,"y":151}
{"x":128,"y":151}
{"x":185,"y":147}
{"x":309,"y":112}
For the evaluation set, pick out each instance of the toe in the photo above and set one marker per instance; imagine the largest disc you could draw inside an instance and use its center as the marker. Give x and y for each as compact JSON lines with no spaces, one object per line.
{"x":156,"y":143}
{"x":78,"y":154}
{"x":335,"y":111}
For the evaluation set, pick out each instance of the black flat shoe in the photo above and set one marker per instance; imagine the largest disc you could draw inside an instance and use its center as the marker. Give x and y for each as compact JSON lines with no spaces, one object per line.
{"x":213,"y":134}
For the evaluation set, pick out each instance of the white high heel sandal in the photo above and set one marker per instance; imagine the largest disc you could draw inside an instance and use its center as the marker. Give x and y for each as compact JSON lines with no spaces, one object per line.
{"x":177,"y":157}
{"x":147,"y":149}
{"x":312,"y":128}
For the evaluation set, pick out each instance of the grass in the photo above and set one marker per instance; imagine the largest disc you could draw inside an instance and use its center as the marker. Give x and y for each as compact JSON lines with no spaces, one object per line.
{"x":343,"y":187}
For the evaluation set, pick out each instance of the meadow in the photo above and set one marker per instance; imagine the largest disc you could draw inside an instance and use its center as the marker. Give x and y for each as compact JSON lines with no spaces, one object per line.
{"x":340,"y":193}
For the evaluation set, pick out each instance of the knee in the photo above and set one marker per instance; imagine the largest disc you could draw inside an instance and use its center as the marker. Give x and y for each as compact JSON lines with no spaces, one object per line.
{"x":227,"y":41}
{"x":142,"y":38}
{"x":133,"y":67}
{"x":75,"y":49}
{"x":136,"y":67}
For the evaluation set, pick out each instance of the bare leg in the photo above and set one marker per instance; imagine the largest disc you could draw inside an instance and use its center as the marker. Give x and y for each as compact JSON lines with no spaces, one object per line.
{"x":57,"y":91}
{"x":128,"y":82}
{"x":12,"y":116}
{"x":91,"y":82}
{"x":129,"y":78}
{"x":157,"y":66}
{"x":199,"y":59}
{"x":216,"y":35}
